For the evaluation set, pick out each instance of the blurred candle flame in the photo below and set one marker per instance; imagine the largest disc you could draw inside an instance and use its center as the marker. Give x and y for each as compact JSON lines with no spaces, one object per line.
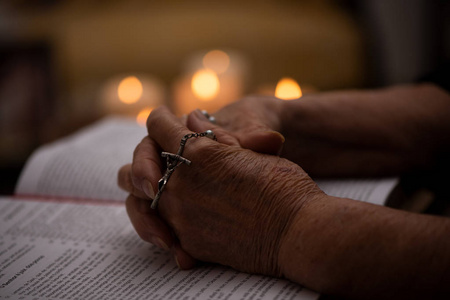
{"x":142,"y":116}
{"x":288,"y":89}
{"x":205,"y":84}
{"x":216,"y":60}
{"x":130,"y":90}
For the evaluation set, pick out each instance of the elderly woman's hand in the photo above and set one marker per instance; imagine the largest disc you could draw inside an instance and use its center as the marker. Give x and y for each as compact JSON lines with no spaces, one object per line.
{"x":255,"y":122}
{"x":347,"y":133}
{"x":230,"y":206}
{"x":263,"y":214}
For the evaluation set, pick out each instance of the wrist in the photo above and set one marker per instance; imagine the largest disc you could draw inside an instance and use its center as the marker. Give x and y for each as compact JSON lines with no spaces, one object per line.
{"x":294,"y":257}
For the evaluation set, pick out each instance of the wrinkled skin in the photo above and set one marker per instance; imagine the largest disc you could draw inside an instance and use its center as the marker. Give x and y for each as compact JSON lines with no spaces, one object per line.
{"x":347,"y":133}
{"x":240,"y":205}
{"x":231,"y":205}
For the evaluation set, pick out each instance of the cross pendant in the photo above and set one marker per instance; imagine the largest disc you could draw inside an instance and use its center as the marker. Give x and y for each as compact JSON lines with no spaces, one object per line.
{"x":173,"y":161}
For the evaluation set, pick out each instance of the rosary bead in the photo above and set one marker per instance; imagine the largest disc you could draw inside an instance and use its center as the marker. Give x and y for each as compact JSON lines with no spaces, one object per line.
{"x":210,"y":134}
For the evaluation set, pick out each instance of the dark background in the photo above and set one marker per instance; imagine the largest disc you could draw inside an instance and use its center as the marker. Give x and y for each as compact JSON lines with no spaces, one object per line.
{"x":56,"y":55}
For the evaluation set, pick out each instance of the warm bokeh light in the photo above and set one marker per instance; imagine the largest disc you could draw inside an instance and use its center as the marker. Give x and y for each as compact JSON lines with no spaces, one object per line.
{"x":288,"y":89}
{"x":216,"y":60}
{"x":142,"y":116}
{"x":205,"y":84}
{"x":130,"y":90}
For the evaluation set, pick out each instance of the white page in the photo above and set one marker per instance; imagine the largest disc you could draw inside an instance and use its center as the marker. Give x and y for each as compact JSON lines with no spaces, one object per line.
{"x":83,"y":165}
{"x":68,"y":251}
{"x":374,"y":191}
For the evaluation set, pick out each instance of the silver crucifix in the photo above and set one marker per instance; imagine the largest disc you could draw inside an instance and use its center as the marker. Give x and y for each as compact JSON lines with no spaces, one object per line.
{"x":174,"y":160}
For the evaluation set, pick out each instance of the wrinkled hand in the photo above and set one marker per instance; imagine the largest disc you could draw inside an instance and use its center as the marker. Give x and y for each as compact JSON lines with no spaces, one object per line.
{"x":348,"y":133}
{"x":255,"y":123}
{"x":230,"y":206}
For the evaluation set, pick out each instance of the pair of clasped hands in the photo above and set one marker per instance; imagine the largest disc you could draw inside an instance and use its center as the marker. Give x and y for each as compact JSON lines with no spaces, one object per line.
{"x":246,"y":201}
{"x":218,"y":207}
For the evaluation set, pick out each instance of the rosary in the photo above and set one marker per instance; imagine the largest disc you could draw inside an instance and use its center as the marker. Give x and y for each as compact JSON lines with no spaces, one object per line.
{"x":175,"y":160}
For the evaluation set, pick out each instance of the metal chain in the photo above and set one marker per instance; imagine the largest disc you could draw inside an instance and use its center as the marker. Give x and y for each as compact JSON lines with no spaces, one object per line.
{"x":174,"y":160}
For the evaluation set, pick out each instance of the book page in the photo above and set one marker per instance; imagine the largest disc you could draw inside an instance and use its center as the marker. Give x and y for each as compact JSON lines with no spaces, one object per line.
{"x":73,"y":251}
{"x":375,"y":191}
{"x":84,"y":165}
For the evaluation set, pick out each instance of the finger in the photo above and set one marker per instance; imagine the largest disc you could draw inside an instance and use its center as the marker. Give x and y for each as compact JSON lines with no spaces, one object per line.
{"x":263,"y":141}
{"x":257,"y":137}
{"x":148,"y":224}
{"x":146,"y":167}
{"x":152,"y":229}
{"x":166,"y":129}
{"x":251,"y":129}
{"x":198,"y":122}
{"x":125,"y":182}
{"x":183,"y":259}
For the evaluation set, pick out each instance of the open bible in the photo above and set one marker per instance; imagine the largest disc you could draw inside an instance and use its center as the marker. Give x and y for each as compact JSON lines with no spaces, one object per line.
{"x":65,"y":233}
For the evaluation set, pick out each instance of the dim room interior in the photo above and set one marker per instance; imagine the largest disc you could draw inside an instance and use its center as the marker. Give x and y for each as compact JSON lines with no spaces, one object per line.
{"x":65,"y":64}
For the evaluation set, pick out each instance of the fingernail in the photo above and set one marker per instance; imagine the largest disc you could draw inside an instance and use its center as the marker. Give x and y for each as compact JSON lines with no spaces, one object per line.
{"x":176,"y":261}
{"x":148,"y":189}
{"x":278,"y":134}
{"x":159,"y":243}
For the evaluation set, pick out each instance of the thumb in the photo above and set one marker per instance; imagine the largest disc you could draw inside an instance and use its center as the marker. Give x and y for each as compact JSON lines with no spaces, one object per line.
{"x":256,"y":138}
{"x":263,"y":140}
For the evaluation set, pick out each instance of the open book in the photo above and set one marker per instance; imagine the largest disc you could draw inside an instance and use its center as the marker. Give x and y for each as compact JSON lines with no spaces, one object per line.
{"x":66,"y":235}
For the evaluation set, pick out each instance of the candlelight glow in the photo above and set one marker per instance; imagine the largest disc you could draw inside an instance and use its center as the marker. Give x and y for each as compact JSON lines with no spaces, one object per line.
{"x":205,"y":84}
{"x":288,"y":89}
{"x":216,"y":60}
{"x":130,"y":90}
{"x":142,"y":116}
